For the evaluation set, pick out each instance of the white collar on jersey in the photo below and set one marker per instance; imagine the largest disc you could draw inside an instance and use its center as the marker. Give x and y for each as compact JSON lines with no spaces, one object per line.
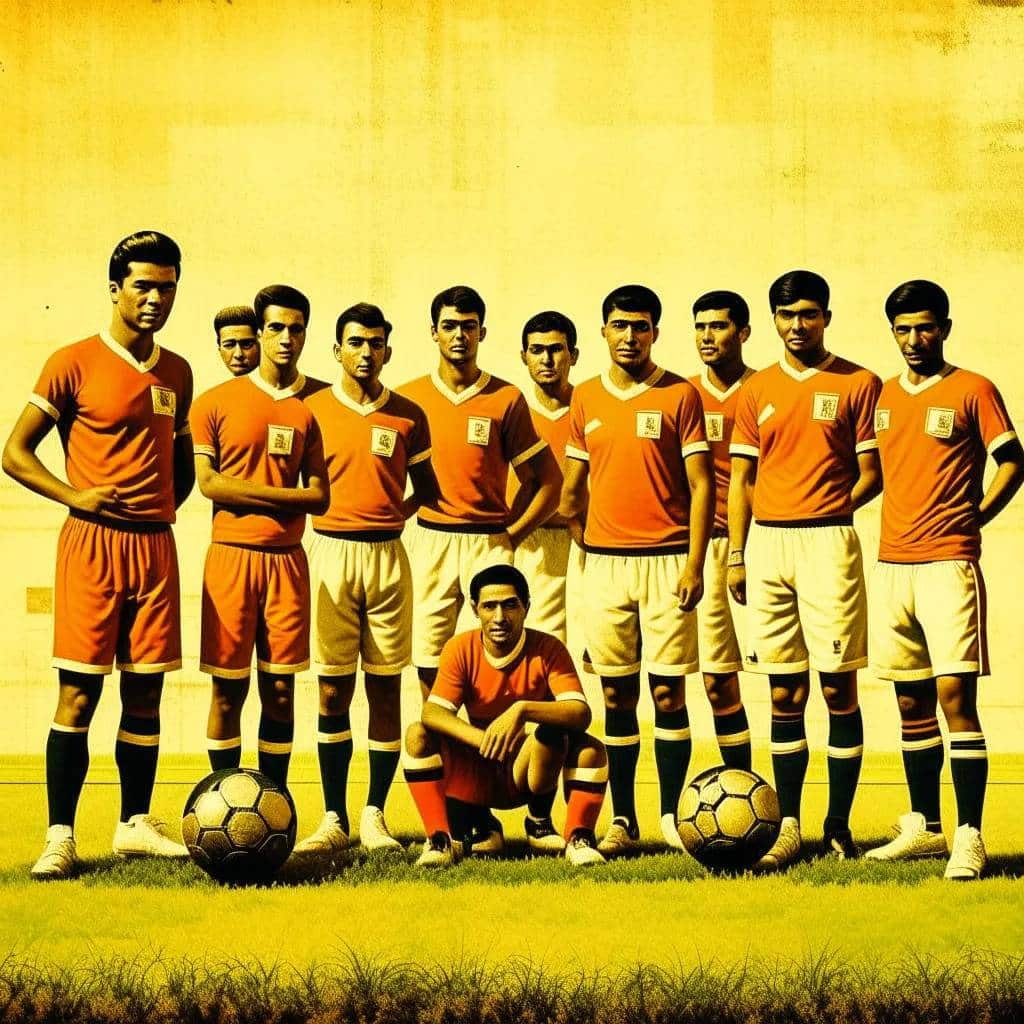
{"x":807,"y":374}
{"x":916,"y":389}
{"x":458,"y":397}
{"x":121,"y":351}
{"x":711,"y":389}
{"x":500,"y":663}
{"x":634,"y":389}
{"x":277,"y":393}
{"x":359,"y":407}
{"x":540,"y":410}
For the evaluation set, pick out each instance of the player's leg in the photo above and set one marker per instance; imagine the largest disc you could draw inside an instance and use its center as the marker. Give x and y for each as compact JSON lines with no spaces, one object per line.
{"x":543,"y":558}
{"x":384,"y":694}
{"x":541,"y":833}
{"x":586,"y":778}
{"x":277,"y":724}
{"x":672,"y":749}
{"x":425,"y":776}
{"x":845,"y":754}
{"x":224,"y":721}
{"x":732,"y":728}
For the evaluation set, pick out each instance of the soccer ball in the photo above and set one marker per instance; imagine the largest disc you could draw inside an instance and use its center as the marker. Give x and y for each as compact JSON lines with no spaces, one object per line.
{"x":239,"y":825}
{"x":728,"y":818}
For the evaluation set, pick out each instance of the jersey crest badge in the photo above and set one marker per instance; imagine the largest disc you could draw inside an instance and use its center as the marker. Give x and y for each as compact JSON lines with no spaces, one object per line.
{"x":382,"y":441}
{"x":939,"y":422}
{"x":881,"y":419}
{"x":648,"y":425}
{"x":826,"y":406}
{"x":165,"y":401}
{"x":279,"y":439}
{"x":478,"y":430}
{"x":714,"y":426}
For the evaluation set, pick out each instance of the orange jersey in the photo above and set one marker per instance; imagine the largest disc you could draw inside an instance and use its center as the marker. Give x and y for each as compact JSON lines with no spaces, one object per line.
{"x":553,"y":429}
{"x":368,"y":449}
{"x":719,"y":415}
{"x":933,"y":438}
{"x":806,"y":428}
{"x":539,"y":668}
{"x":477,"y":434}
{"x":635,"y":441}
{"x":117,"y":419}
{"x":254,"y":432}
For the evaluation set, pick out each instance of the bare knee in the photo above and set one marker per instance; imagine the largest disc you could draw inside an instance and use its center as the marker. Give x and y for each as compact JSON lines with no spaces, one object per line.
{"x":419,"y":741}
{"x":723,"y":690}
{"x":586,"y":752}
{"x":621,"y":694}
{"x":276,"y":697}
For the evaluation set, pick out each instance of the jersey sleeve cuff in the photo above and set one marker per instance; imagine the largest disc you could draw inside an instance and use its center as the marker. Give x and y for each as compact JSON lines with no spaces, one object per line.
{"x":522,"y":457}
{"x":571,"y":695}
{"x":415,"y":460}
{"x":204,"y":449}
{"x":744,"y":449}
{"x":41,"y":403}
{"x":866,"y":446}
{"x":434,"y":699}
{"x":998,"y":442}
{"x":576,"y":453}
{"x":695,"y":449}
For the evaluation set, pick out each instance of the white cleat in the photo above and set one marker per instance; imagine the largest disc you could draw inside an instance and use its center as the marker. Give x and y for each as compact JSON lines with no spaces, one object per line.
{"x":542,"y":836}
{"x":439,"y":851}
{"x":911,"y":841}
{"x":329,"y":837}
{"x":581,"y":849}
{"x":144,"y":835}
{"x":968,"y":859}
{"x":621,"y":837}
{"x":670,"y":832}
{"x":786,"y":847}
{"x":58,"y":859}
{"x":373,"y":831}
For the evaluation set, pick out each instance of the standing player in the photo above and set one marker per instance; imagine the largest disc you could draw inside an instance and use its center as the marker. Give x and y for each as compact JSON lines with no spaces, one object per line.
{"x":506,"y":676}
{"x":120,"y":403}
{"x":362,"y":585}
{"x":259,"y":459}
{"x":637,"y":433}
{"x":721,"y":322}
{"x":236,"y":328}
{"x":935,"y":424}
{"x":804,"y":458}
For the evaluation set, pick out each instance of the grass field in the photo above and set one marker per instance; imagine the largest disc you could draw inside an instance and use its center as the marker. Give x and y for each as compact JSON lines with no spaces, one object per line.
{"x":857,"y":928}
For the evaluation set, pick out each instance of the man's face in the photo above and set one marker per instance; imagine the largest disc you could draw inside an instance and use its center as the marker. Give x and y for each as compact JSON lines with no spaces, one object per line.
{"x":282,"y":336}
{"x":920,"y":337}
{"x":362,"y":352}
{"x":719,"y":340}
{"x":629,"y":337}
{"x":144,"y":299}
{"x":502,"y":615}
{"x":458,"y":335}
{"x":547,"y":358}
{"x":801,"y":325}
{"x":239,"y":348}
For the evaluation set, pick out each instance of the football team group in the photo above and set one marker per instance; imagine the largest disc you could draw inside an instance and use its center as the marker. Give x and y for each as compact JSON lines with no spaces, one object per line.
{"x":672,"y":501}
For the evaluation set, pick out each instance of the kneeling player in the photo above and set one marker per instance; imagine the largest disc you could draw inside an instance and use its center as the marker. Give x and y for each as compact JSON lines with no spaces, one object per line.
{"x":935,"y":423}
{"x":506,"y":676}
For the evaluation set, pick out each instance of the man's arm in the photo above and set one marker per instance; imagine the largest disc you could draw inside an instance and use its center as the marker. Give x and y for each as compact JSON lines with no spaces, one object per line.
{"x":22,"y":464}
{"x":573,"y":505}
{"x":700,"y":477}
{"x":184,"y":469}
{"x":235,"y":493}
{"x":742,"y":478}
{"x":425,"y":490}
{"x":869,"y":480}
{"x":1008,"y":477}
{"x":541,"y":474}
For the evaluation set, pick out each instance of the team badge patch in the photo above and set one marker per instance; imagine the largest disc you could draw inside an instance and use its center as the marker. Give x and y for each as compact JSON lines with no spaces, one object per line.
{"x":826,"y":406}
{"x":382,"y":441}
{"x":165,"y":401}
{"x":939,"y":422}
{"x":881,"y":419}
{"x":280,"y":439}
{"x":714,"y":426}
{"x":478,"y":430}
{"x":648,"y":425}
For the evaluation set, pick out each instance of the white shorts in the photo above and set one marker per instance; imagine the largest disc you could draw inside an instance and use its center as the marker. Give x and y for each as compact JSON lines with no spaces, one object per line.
{"x":544,"y":558}
{"x":806,"y":602}
{"x":362,"y":605}
{"x":629,"y":596}
{"x":443,"y":563}
{"x":716,"y":615}
{"x":927,"y":620}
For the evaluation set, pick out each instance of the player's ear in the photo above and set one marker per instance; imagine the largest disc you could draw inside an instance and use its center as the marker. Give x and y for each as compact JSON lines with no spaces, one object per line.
{"x":744,"y":333}
{"x":654,"y":333}
{"x":433,"y":331}
{"x":337,"y":352}
{"x":946,"y":327}
{"x":574,"y":354}
{"x":387,"y":353}
{"x":483,"y":333}
{"x":828,"y":317}
{"x":115,"y":290}
{"x":522,"y":356}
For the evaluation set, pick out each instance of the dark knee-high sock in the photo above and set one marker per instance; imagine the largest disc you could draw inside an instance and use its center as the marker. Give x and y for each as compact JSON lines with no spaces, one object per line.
{"x":136,"y":752}
{"x":384,"y":755}
{"x":275,"y":748}
{"x":226,"y":753}
{"x":789,"y":760}
{"x":733,"y":732}
{"x":334,"y":754}
{"x":540,"y":804}
{"x":622,"y":740}
{"x":67,"y":761}
{"x":923,"y":756}
{"x":672,"y":748}
{"x":968,"y":761}
{"x":845,"y":754}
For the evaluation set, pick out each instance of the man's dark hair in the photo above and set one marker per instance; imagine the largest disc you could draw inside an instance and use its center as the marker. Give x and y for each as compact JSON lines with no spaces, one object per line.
{"x":460,"y":297}
{"x":235,"y":316}
{"x":283,"y":295}
{"x":498,"y":574}
{"x":739,"y":311}
{"x":551,"y":320}
{"x":366,"y":315}
{"x":632,"y":298}
{"x":797,"y":285}
{"x":144,"y":247}
{"x":917,"y":297}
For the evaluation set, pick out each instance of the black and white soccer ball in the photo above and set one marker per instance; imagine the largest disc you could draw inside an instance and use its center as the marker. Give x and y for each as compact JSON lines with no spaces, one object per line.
{"x":239,"y":825}
{"x":728,"y":818}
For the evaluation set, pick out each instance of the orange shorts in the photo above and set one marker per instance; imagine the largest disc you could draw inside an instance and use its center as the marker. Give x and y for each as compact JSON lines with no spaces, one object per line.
{"x":254,"y":597}
{"x":476,"y":780}
{"x":116,"y":598}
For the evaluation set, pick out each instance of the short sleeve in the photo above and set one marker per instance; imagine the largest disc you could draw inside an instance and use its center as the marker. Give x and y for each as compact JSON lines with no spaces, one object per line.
{"x":57,"y":386}
{"x":576,"y":445}
{"x":450,"y":685}
{"x":746,"y":437}
{"x":181,"y":418}
{"x":203,"y":426}
{"x":992,"y":420}
{"x":419,"y":438}
{"x":519,"y":436}
{"x":865,"y":399}
{"x":562,"y":678}
{"x":692,"y":432}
